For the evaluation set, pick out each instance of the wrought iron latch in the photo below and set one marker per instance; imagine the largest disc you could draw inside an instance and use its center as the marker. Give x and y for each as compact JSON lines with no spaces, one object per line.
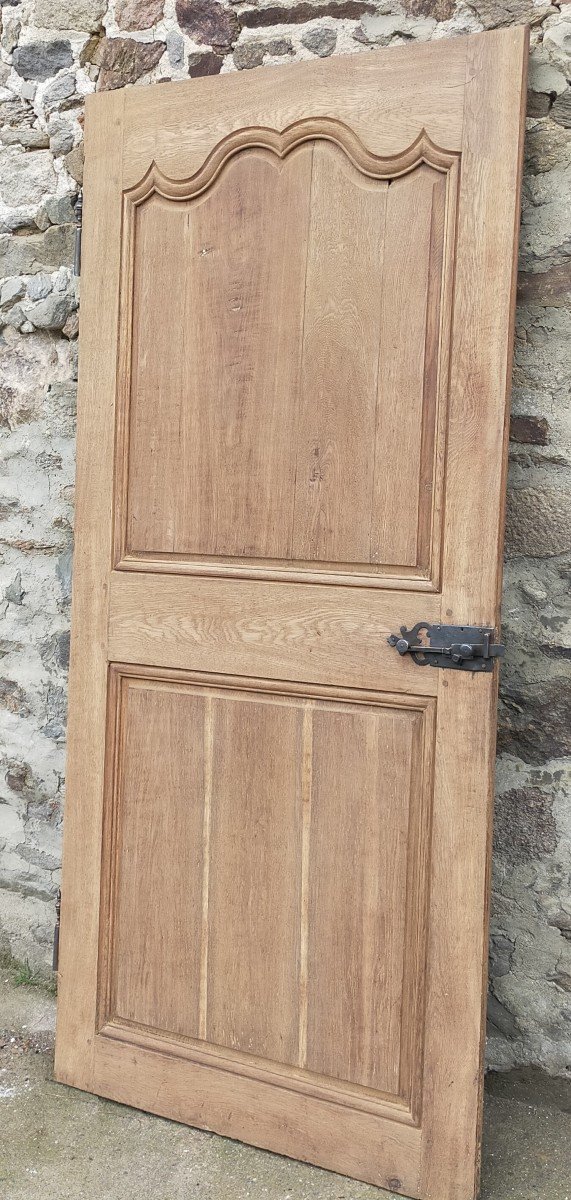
{"x":78,"y":210}
{"x":455,"y":647}
{"x":55,"y":959}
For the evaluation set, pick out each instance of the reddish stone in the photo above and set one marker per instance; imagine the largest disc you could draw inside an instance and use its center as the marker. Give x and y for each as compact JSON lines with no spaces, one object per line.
{"x":208,"y":22}
{"x":545,"y":287}
{"x":441,"y":10}
{"x":123,"y":60}
{"x":348,"y":10}
{"x":529,"y":431}
{"x":200,"y":65}
{"x":138,"y":14}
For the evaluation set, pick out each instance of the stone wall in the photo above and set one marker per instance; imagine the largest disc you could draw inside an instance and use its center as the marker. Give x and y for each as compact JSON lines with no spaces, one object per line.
{"x":53,"y":52}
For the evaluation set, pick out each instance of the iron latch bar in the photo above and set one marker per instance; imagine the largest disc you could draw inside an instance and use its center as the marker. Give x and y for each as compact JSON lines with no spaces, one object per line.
{"x":55,"y":959}
{"x":453,"y":647}
{"x":78,"y":210}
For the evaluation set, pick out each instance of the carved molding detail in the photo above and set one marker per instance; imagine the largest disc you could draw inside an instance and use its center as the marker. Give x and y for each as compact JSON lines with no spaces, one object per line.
{"x":422,"y":150}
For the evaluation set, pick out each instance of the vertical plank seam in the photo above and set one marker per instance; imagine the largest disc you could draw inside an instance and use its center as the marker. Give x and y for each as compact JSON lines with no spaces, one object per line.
{"x":425,"y":386}
{"x":208,"y":744}
{"x":306,"y":797}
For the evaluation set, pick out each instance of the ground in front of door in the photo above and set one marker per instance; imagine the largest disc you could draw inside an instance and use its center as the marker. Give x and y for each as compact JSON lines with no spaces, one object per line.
{"x":60,"y":1144}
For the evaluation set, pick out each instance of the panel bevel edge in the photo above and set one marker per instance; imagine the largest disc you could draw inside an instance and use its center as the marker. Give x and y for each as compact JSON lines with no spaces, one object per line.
{"x":444,"y":356}
{"x":114,"y":734}
{"x":290,"y":1078}
{"x":417,"y":910}
{"x":154,"y":182}
{"x":403,"y":1107}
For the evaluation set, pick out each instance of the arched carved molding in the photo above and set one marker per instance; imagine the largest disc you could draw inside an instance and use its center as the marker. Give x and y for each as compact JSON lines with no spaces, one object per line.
{"x":422,"y":150}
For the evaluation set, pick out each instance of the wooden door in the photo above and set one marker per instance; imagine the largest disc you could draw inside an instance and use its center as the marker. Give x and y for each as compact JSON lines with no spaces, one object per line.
{"x":297,"y":303}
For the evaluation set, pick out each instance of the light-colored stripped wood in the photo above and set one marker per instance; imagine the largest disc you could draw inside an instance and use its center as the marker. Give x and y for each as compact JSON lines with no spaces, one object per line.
{"x":277,"y":830}
{"x":208,"y":762}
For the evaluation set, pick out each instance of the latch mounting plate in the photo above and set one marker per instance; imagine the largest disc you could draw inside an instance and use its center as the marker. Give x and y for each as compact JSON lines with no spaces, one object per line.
{"x":453,"y":647}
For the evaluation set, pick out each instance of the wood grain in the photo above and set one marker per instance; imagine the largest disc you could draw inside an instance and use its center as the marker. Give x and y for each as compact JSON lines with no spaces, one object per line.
{"x":77,"y":996}
{"x":477,"y":436}
{"x":357,"y":881}
{"x":277,"y":837}
{"x":158,"y":868}
{"x":318,"y":634}
{"x":249,"y":438}
{"x":255,"y":892}
{"x":334,"y":466}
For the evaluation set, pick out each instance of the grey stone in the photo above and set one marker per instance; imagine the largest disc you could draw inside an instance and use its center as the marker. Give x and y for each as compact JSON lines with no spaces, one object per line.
{"x":17,"y":113}
{"x":561,"y":110}
{"x":138,"y":14}
{"x":525,"y":828}
{"x":557,"y":41}
{"x":544,"y":77}
{"x":14,"y":220}
{"x":60,"y":93}
{"x":74,"y":163}
{"x":278,"y":47}
{"x":14,"y":317}
{"x":38,"y":253}
{"x":54,"y":652}
{"x":41,"y":60}
{"x":538,"y":521}
{"x":500,"y":1018}
{"x":64,"y":566}
{"x":25,"y":177}
{"x":39,"y":286}
{"x":321,"y":41}
{"x":14,"y":593}
{"x":60,"y":409}
{"x":501,"y":955}
{"x":175,"y":49}
{"x":31,"y":139}
{"x":11,"y":290}
{"x":11,"y":28}
{"x":382,"y":29}
{"x":56,"y":707}
{"x":51,"y":313}
{"x":441,"y":10}
{"x":494,"y":13}
{"x":69,"y":14}
{"x":248,"y":55}
{"x":535,"y":725}
{"x":59,"y":210}
{"x":61,"y":134}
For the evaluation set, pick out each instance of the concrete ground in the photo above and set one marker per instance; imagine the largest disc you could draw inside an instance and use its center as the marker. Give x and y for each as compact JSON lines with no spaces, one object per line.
{"x":60,"y":1144}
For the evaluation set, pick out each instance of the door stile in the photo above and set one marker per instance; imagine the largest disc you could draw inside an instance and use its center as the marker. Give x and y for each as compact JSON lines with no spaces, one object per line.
{"x":482,"y":342}
{"x":92,"y":559}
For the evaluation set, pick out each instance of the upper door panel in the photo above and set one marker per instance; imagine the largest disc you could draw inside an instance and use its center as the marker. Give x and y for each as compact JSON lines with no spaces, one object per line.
{"x":299,"y":288}
{"x":299,"y":283}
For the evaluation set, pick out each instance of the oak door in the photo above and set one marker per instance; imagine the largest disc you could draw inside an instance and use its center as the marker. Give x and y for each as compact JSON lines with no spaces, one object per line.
{"x":297,"y":301}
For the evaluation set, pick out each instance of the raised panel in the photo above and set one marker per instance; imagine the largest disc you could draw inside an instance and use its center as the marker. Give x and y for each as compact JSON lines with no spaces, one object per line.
{"x":157,"y":857}
{"x":255,"y":877}
{"x":361,"y":793}
{"x":299,"y":288}
{"x":264,"y":875}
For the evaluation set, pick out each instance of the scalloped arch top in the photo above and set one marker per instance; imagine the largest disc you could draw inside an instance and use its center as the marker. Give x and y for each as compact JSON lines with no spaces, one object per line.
{"x":421,"y":150}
